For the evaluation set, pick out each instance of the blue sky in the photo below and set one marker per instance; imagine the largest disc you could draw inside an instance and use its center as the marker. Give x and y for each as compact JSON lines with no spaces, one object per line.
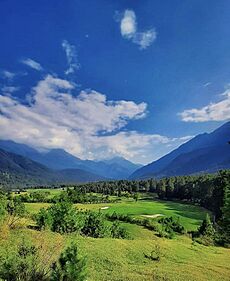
{"x":105,"y":78}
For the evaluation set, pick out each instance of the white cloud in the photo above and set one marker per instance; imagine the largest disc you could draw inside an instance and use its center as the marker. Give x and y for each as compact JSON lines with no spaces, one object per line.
{"x":7,"y":74}
{"x":207,"y":84}
{"x":32,"y":63}
{"x":219,"y":111}
{"x":145,"y":39}
{"x":128,"y":24}
{"x":86,"y":125}
{"x":71,"y":56}
{"x":9,"y":89}
{"x":128,"y":27}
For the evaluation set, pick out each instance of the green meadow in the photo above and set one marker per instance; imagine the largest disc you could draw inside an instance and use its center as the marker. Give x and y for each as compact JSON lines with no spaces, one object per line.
{"x":189,"y":215}
{"x":125,"y":259}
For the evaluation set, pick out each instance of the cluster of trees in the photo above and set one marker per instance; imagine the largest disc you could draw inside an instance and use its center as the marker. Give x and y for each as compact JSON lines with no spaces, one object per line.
{"x":118,"y":187}
{"x":206,"y":190}
{"x":75,"y":196}
{"x":72,"y":195}
{"x":209,"y":191}
{"x":35,"y":196}
{"x":63,"y":217}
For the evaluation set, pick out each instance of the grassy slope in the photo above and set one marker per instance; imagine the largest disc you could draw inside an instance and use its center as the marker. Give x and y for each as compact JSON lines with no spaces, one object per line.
{"x":124,"y":260}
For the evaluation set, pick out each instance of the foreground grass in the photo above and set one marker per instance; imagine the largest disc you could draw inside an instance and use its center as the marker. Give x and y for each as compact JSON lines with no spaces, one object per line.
{"x":124,"y":260}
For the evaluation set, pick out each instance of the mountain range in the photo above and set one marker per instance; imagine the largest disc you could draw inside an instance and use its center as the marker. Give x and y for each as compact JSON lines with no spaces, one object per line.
{"x":17,"y":170}
{"x":59,"y":159}
{"x":205,"y":153}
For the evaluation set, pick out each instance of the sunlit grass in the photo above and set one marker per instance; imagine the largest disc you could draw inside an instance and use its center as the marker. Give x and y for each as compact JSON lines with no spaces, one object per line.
{"x":124,"y":260}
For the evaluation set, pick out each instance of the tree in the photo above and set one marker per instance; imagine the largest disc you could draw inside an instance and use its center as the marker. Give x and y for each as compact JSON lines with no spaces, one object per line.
{"x":2,"y":207}
{"x":226,"y":216}
{"x":206,"y":228}
{"x":44,"y":219}
{"x":95,"y":225}
{"x":15,"y":209}
{"x":70,"y":266}
{"x":136,"y":196}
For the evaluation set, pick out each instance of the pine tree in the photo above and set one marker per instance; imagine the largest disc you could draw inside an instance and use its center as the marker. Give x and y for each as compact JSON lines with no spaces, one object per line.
{"x":206,"y":228}
{"x":70,"y":267}
{"x":226,"y":214}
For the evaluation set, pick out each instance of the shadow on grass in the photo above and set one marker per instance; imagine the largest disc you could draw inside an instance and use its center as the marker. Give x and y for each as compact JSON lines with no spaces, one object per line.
{"x":186,"y":210}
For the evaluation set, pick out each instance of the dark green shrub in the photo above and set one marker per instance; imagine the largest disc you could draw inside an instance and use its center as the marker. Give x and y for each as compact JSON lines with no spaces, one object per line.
{"x":156,"y":254}
{"x":44,"y":219}
{"x":207,"y":228}
{"x":171,"y":225}
{"x":118,"y":231}
{"x":70,"y":267}
{"x":61,"y":217}
{"x":94,"y":225}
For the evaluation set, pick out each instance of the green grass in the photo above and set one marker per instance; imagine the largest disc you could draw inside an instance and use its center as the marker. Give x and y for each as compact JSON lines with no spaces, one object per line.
{"x":190,"y":216}
{"x":124,"y":260}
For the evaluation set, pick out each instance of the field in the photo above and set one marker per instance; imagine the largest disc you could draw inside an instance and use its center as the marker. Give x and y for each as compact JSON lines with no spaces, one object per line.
{"x":125,"y":260}
{"x":190,"y":216}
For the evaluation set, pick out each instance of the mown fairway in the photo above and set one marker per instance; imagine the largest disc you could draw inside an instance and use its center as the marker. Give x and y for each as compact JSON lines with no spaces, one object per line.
{"x":190,"y":216}
{"x":124,"y":260}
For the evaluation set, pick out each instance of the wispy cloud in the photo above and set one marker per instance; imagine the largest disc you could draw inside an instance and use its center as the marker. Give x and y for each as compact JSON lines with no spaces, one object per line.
{"x":85,"y":124}
{"x":9,"y":89}
{"x":32,"y":63}
{"x":7,"y":74}
{"x":128,"y":27}
{"x":71,"y":55}
{"x":207,"y":84}
{"x":218,"y":111}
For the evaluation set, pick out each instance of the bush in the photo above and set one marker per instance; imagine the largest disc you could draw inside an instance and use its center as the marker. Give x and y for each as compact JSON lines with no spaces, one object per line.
{"x":70,"y":267}
{"x":118,"y":232}
{"x":171,"y":225}
{"x":156,"y":253}
{"x":61,"y":217}
{"x":22,"y":264}
{"x":94,"y":225}
{"x":44,"y":219}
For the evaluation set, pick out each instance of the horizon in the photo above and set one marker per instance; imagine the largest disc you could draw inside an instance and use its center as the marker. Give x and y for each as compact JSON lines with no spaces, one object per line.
{"x":45,"y":151}
{"x":136,"y":81}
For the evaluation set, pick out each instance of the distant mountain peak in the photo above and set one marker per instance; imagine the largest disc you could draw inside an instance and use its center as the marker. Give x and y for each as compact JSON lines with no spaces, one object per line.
{"x":206,"y":152}
{"x":59,"y":159}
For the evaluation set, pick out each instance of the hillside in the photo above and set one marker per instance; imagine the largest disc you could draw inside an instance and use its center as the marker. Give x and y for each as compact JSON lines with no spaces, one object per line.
{"x":16,"y":170}
{"x":59,"y":159}
{"x":203,"y":153}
